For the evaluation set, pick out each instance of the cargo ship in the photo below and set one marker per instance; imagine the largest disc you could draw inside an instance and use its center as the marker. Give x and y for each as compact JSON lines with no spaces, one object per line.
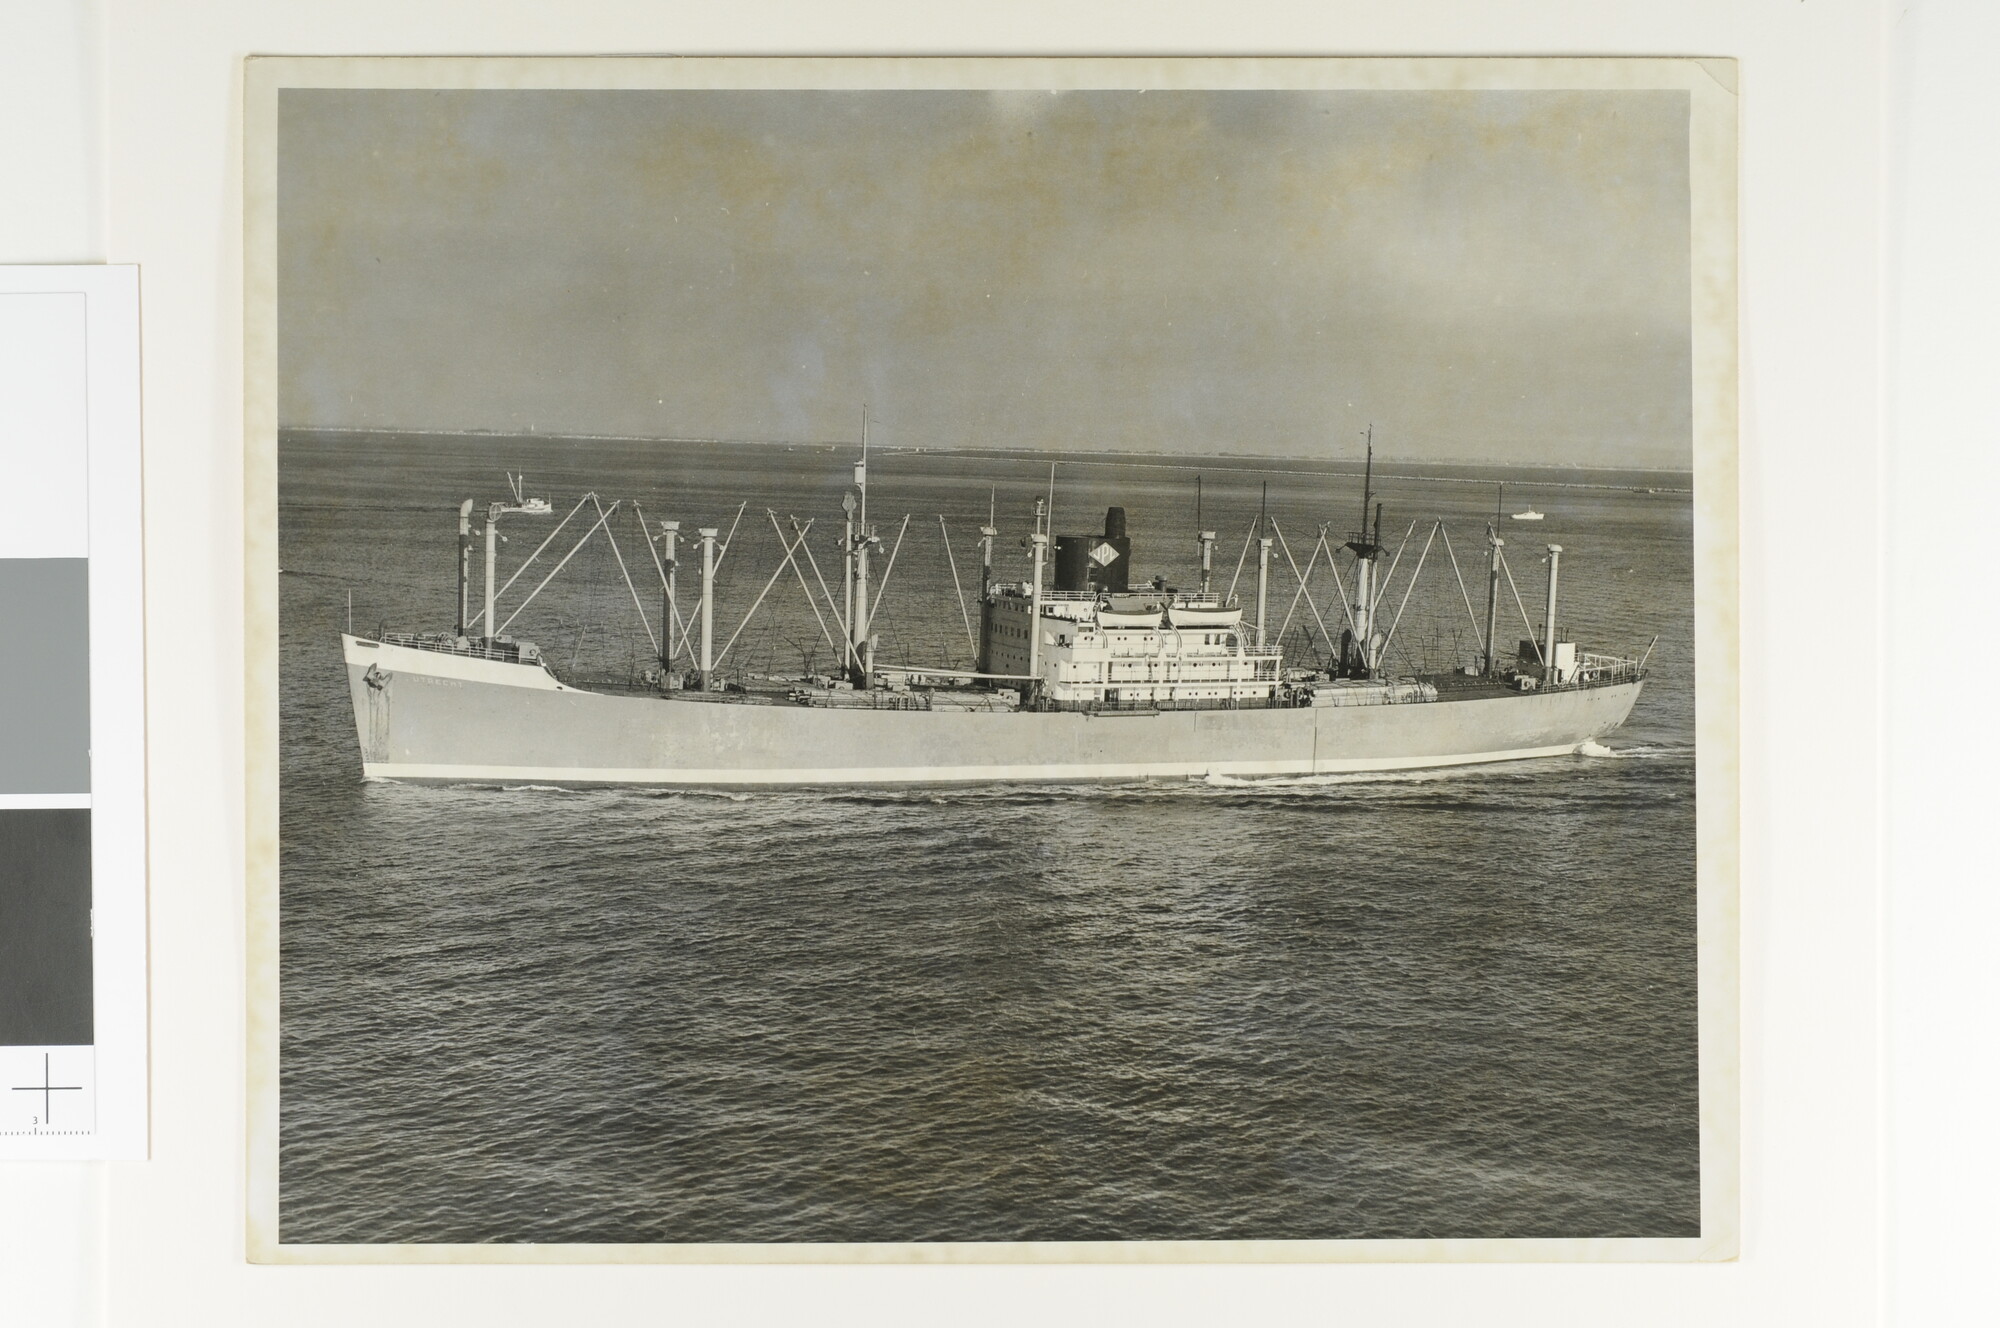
{"x":1081,"y":673}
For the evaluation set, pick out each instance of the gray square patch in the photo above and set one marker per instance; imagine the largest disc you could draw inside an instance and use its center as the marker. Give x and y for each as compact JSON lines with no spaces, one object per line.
{"x":45,"y":675}
{"x":45,"y":958}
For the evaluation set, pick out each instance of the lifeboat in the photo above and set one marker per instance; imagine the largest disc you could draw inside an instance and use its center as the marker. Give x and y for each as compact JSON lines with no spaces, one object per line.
{"x":1211,"y":615}
{"x":1128,"y":611}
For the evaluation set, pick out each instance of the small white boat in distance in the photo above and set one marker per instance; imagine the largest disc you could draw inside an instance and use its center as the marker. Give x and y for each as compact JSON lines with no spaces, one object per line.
{"x":528,"y":506}
{"x":1500,"y":505}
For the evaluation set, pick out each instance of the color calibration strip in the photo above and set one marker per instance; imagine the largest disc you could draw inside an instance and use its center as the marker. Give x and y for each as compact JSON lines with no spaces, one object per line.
{"x":72,"y":856}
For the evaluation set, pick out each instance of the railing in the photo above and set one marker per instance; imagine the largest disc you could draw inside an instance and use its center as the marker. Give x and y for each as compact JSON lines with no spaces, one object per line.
{"x":1416,"y":692}
{"x":1281,"y":701}
{"x":1604,"y":670}
{"x":1180,"y":599}
{"x":871,"y":699}
{"x":508,"y":652}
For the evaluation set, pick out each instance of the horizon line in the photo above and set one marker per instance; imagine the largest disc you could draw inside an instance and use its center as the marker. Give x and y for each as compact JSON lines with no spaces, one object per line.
{"x":910,"y":449}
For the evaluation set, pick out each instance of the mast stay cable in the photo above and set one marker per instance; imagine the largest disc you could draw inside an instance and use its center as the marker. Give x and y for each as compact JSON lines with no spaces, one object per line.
{"x":1311,"y":562}
{"x":661,"y":568}
{"x":1540,"y":658}
{"x":848,"y":652}
{"x":963,"y":612}
{"x":798,"y":571}
{"x":1302,"y":580}
{"x":1340,"y":586}
{"x":1389,"y":576}
{"x":603,"y":516}
{"x":757,"y":603}
{"x":890,"y":566}
{"x":723,"y":552}
{"x":1465,"y":594}
{"x":612,"y":539}
{"x":1240,"y":559}
{"x":1416,"y":572}
{"x":531,"y":557}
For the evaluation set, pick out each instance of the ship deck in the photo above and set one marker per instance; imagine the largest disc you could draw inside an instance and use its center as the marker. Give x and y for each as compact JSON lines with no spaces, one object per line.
{"x":801,"y":693}
{"x":815,"y":693}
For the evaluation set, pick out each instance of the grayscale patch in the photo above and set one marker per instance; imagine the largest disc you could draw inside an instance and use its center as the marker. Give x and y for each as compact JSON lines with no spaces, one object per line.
{"x":45,"y":675}
{"x":45,"y":965}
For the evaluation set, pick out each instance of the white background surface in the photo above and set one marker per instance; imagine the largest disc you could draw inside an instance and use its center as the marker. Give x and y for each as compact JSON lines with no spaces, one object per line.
{"x":133,"y":146}
{"x":43,"y":458}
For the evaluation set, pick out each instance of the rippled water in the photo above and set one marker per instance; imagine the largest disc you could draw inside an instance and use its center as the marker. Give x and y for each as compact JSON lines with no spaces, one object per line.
{"x":1419,"y":1004}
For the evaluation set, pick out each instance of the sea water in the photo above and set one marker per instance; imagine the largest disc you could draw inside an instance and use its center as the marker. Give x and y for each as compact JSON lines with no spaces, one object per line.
{"x":1450,"y":1003}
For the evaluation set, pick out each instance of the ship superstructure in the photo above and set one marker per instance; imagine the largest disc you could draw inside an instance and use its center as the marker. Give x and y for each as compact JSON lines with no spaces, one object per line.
{"x":1090,"y":641}
{"x":1078,"y":673}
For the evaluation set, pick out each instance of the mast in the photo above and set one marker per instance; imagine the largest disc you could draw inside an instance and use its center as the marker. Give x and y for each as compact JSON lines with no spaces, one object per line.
{"x":1206,"y":538}
{"x":860,"y":621}
{"x":464,"y":566}
{"x":861,"y":537}
{"x":855,"y":504}
{"x":847,"y":505}
{"x":492,"y":534}
{"x":1374,"y":593}
{"x":1040,"y":542}
{"x":708,"y":534}
{"x":1362,"y":580}
{"x":1492,"y":597}
{"x":1263,"y":561}
{"x":987,"y":533}
{"x":670,"y":536}
{"x":1368,"y":478}
{"x":1549,"y":617}
{"x":858,"y":613}
{"x":1365,"y":550}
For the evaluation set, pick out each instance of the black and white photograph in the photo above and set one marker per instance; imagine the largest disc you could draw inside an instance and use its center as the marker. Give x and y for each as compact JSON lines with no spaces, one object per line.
{"x":972,"y":659}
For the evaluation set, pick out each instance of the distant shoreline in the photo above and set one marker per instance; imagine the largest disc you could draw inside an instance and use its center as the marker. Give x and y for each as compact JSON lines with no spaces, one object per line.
{"x":1262,"y":463}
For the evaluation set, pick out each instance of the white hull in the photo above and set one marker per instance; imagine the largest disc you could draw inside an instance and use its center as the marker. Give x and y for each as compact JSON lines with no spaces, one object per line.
{"x":964,"y":774}
{"x":422,"y":715}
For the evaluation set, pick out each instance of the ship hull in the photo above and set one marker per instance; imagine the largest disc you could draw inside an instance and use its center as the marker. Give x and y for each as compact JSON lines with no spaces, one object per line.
{"x":428,"y":717}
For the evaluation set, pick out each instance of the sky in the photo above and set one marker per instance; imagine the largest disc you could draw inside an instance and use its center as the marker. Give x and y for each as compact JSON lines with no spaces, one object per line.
{"x":1482,"y":276}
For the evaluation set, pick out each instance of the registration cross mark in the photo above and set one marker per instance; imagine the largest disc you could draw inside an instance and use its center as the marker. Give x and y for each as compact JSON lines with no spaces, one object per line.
{"x":45,"y":1088}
